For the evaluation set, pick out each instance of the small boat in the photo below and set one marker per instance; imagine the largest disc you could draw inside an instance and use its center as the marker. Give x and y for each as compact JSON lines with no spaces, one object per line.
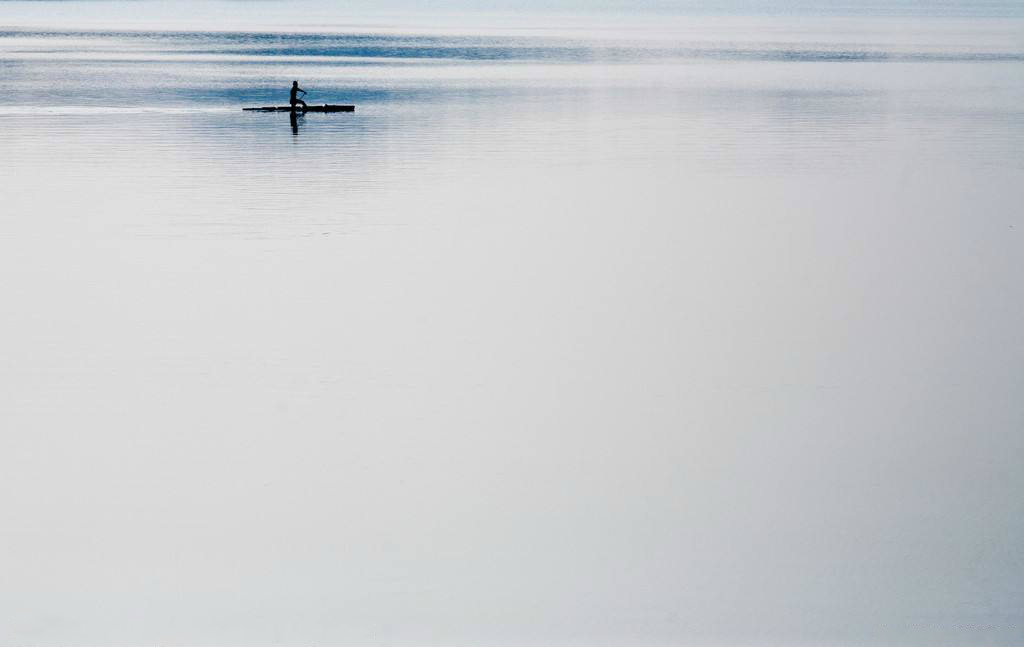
{"x":323,"y":108}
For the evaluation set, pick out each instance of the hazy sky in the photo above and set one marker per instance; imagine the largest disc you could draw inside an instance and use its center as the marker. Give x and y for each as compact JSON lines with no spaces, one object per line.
{"x":312,"y":10}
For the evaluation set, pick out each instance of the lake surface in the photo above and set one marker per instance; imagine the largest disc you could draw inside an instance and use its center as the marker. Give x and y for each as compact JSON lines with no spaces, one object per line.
{"x":697,"y":325}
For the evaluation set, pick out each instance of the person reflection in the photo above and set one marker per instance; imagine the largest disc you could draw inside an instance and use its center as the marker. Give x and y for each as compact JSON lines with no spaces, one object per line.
{"x":294,"y":119}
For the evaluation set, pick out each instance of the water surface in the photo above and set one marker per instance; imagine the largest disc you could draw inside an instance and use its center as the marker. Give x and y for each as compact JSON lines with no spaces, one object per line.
{"x":679,"y":327}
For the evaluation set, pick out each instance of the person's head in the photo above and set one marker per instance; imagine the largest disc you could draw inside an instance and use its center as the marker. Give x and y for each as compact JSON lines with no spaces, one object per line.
{"x":295,"y":84}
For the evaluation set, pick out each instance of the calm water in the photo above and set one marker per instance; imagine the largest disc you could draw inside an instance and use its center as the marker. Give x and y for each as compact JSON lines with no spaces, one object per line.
{"x":683,"y":327}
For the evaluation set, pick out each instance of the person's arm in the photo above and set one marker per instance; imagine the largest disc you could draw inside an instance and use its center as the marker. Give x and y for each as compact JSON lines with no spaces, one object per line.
{"x":301,"y":90}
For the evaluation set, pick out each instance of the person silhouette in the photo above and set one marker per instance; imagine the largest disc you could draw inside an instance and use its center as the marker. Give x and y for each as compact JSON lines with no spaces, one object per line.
{"x":294,"y":97}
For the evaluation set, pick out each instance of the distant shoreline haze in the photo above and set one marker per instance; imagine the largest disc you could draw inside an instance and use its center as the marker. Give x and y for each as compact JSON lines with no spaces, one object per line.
{"x":224,"y":14}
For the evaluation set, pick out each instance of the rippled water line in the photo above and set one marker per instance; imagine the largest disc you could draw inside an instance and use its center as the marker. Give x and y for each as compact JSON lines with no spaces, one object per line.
{"x":43,"y":110}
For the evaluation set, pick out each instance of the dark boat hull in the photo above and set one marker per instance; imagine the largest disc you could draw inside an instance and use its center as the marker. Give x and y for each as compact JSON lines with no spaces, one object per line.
{"x":323,"y":108}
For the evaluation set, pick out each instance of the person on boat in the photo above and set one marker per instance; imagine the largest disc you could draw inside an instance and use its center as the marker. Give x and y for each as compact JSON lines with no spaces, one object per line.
{"x":294,"y":98}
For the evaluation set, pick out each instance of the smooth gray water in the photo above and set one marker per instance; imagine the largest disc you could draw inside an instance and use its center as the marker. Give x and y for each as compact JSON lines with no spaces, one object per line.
{"x":684,"y":327}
